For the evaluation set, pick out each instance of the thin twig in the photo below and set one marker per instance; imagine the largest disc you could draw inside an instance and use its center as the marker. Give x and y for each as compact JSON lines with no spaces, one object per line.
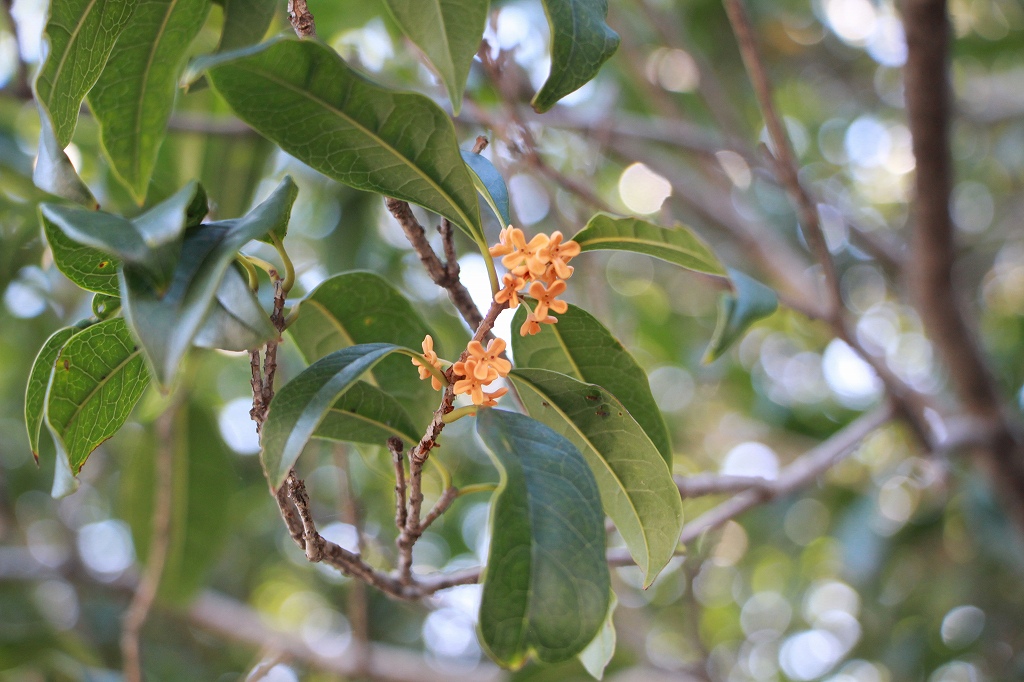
{"x":398,"y":459}
{"x":782,"y":152}
{"x":803,"y":471}
{"x":301,"y":18}
{"x":159,"y":543}
{"x":418,"y":456}
{"x":437,"y":270}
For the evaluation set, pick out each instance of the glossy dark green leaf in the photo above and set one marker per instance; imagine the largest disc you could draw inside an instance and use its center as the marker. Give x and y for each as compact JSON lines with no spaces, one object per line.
{"x":361,"y":307}
{"x":490,"y":184}
{"x":87,"y":267}
{"x":448,"y":32}
{"x":636,"y":485}
{"x":53,"y":171}
{"x":38,"y":380}
{"x":582,"y":348}
{"x":677,"y":245}
{"x":166,"y":322}
{"x":366,"y":414}
{"x":202,"y":482}
{"x":546,"y":584}
{"x":302,"y":404}
{"x":81,"y":34}
{"x":245,"y":22}
{"x":581,"y":42}
{"x":236,"y":320}
{"x":372,"y":138}
{"x":598,"y":654}
{"x":750,"y":302}
{"x":99,"y":376}
{"x":133,"y":97}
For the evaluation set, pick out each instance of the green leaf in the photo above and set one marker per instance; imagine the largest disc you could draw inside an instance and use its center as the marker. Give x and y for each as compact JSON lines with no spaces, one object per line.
{"x":598,"y":654}
{"x":362,"y":307}
{"x":303,"y":403}
{"x":678,"y":245}
{"x":366,"y":414}
{"x":236,"y":320}
{"x":490,"y":184}
{"x":354,"y":131}
{"x":245,"y":22}
{"x":448,"y":32}
{"x":133,"y":97}
{"x":53,"y":171}
{"x":104,"y":306}
{"x":546,"y":585}
{"x":89,"y":268}
{"x":580,"y":43}
{"x":289,"y":193}
{"x":80,"y":34}
{"x":166,"y":322}
{"x":202,"y":483}
{"x":582,"y":348}
{"x":98,"y":378}
{"x":151,"y":241}
{"x":751,"y":302}
{"x":636,"y":486}
{"x":38,"y":380}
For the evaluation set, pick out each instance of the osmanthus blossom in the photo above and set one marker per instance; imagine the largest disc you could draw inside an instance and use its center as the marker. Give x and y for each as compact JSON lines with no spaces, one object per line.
{"x":431,"y":357}
{"x":540,"y":267}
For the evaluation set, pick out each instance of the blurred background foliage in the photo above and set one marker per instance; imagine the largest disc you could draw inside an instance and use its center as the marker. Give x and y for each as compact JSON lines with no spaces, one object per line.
{"x":897,"y":566}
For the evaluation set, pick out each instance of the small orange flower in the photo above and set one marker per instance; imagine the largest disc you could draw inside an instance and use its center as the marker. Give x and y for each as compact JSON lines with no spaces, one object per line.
{"x":490,"y":357}
{"x":510,"y":292}
{"x":528,"y":257}
{"x":546,"y":298}
{"x":560,"y":254}
{"x":533,"y":323}
{"x":431,"y":357}
{"x":504,"y":245}
{"x":491,"y":399}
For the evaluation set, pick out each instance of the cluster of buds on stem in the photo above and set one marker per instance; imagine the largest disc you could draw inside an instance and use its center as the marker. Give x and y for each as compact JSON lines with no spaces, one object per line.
{"x":540,"y":267}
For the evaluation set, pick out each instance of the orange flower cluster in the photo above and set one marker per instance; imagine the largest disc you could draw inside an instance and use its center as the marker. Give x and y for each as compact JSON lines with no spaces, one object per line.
{"x":539,"y":266}
{"x":481,"y":367}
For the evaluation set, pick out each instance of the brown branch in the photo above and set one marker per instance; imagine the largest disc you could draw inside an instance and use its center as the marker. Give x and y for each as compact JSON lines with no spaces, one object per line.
{"x":413,"y":529}
{"x":440,"y":272}
{"x":782,"y":152}
{"x":933,"y":248}
{"x":398,"y":458}
{"x":799,"y":474}
{"x":159,"y":542}
{"x":301,"y":19}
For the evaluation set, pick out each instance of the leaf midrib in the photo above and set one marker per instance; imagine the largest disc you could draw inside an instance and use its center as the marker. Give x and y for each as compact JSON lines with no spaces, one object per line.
{"x":637,"y":240}
{"x":79,"y":408}
{"x":365,"y":131}
{"x":368,"y":420}
{"x":137,"y":157}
